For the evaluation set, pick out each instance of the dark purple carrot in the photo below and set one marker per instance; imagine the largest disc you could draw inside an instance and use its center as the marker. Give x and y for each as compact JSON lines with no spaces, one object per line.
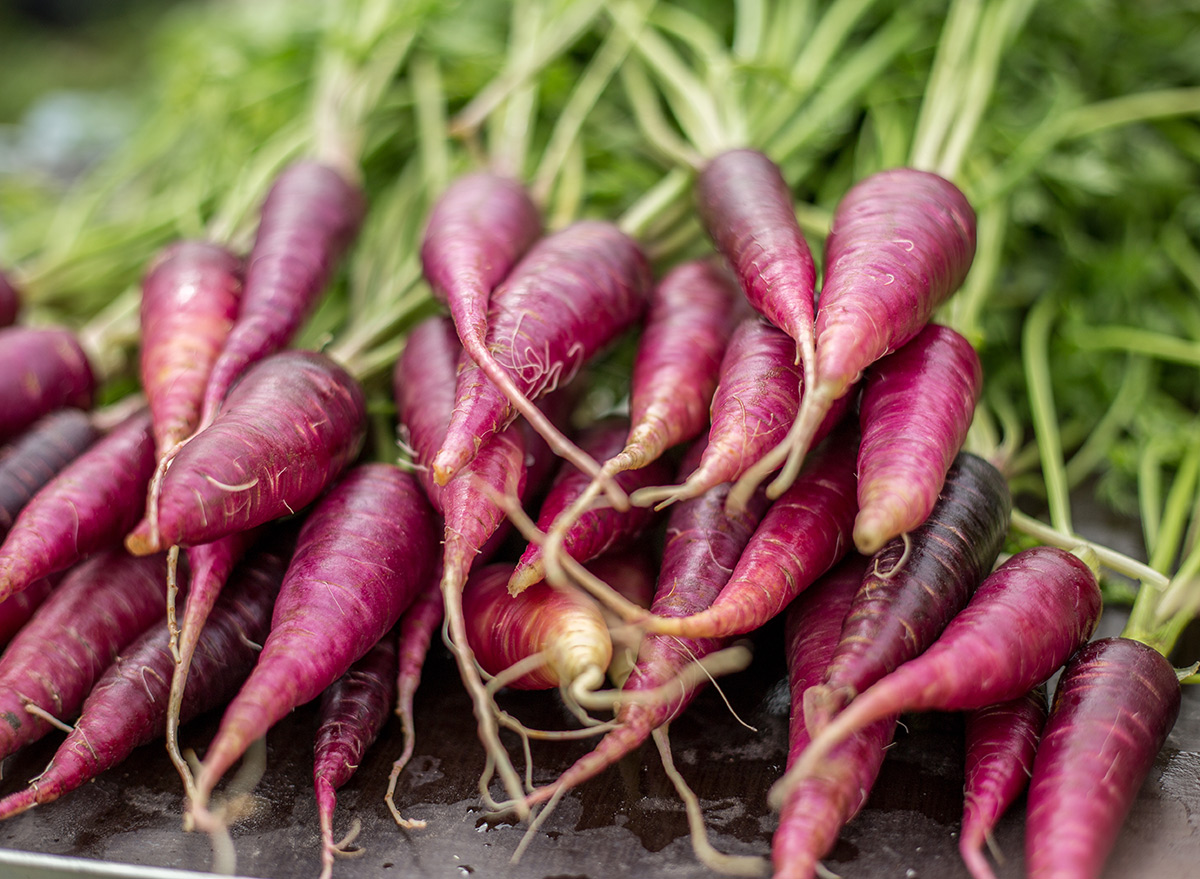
{"x":16,"y":610}
{"x":363,"y":554}
{"x":41,"y":369}
{"x":802,"y":535}
{"x":32,"y":460}
{"x":1001,"y":741}
{"x":915,"y":410}
{"x":1114,"y":706}
{"x":1020,"y":626}
{"x":10,"y":302}
{"x":308,"y":220}
{"x":189,"y":302}
{"x":752,"y":410}
{"x":901,"y":242}
{"x":916,"y":585}
{"x":288,"y":428}
{"x":91,"y":503}
{"x":353,"y":711}
{"x":128,"y":706}
{"x":596,"y":531}
{"x":102,"y":605}
{"x":816,"y":811}
{"x":572,"y":294}
{"x":703,"y":545}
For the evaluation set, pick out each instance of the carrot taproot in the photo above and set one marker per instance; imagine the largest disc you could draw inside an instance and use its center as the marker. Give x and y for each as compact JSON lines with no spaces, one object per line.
{"x":816,"y":811}
{"x":309,"y":218}
{"x":363,"y":553}
{"x":423,"y":387}
{"x":91,"y":503}
{"x":352,"y":713}
{"x":10,"y":302}
{"x":1001,"y":741}
{"x":1020,"y":626}
{"x":244,"y":470}
{"x":1114,"y":706}
{"x":100,"y":606}
{"x":573,"y":293}
{"x":42,"y":369}
{"x":190,"y":298}
{"x":127,"y":707}
{"x":916,"y":406}
{"x":901,"y":243}
{"x":916,"y":585}
{"x":16,"y":610}
{"x":27,"y":464}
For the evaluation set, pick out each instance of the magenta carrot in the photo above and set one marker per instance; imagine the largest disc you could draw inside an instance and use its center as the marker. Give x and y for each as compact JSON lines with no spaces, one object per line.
{"x":32,"y":460}
{"x":242,"y":471}
{"x":16,"y":610}
{"x":352,"y":713}
{"x":598,"y":530}
{"x":99,"y":607}
{"x":1001,"y":741}
{"x":802,"y":535}
{"x":1020,"y":626}
{"x":361,"y":557}
{"x":816,"y":811}
{"x":41,"y":369}
{"x":423,"y":383}
{"x":572,"y":294}
{"x":703,"y":544}
{"x":308,"y":220}
{"x":901,"y":242}
{"x":91,"y":503}
{"x":916,"y":407}
{"x":10,"y":302}
{"x":128,"y":706}
{"x":915,"y":586}
{"x":190,"y":299}
{"x":1114,"y":706}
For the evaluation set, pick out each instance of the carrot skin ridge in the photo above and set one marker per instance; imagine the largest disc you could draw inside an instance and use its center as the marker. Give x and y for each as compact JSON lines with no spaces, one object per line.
{"x":1019,"y":627}
{"x":572,"y":293}
{"x":916,"y":406}
{"x":42,"y":369}
{"x":16,"y":610}
{"x":10,"y":302}
{"x":91,"y":503}
{"x":30,"y":462}
{"x":241,"y":471}
{"x":1113,"y":708}
{"x":99,"y":607}
{"x":1001,"y":741}
{"x":897,"y":613}
{"x":308,"y":220}
{"x":803,"y":534}
{"x":363,"y":553}
{"x":190,"y":300}
{"x":127,"y":707}
{"x":816,"y":811}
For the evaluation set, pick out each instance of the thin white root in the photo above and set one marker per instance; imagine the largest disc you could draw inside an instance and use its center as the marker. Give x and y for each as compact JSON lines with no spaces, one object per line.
{"x":900,"y":562}
{"x":40,"y":712}
{"x":536,"y":824}
{"x":172,"y":594}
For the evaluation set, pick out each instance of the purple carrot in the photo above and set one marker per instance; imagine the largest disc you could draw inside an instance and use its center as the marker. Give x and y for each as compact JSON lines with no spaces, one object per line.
{"x":916,"y":406}
{"x":1001,"y":741}
{"x":364,"y":552}
{"x":42,"y":451}
{"x":901,"y":242}
{"x":1114,"y":706}
{"x":572,"y":294}
{"x":91,"y":503}
{"x":352,"y":714}
{"x":128,"y":706}
{"x":703,"y":544}
{"x":915,"y":586}
{"x":595,"y":532}
{"x":423,"y":384}
{"x":243,"y":471}
{"x":41,"y":369}
{"x":752,"y":409}
{"x":802,"y":535}
{"x":10,"y":302}
{"x":99,"y":607}
{"x":817,"y":810}
{"x":16,"y":610}
{"x":308,"y":220}
{"x":1020,"y":626}
{"x":190,"y":299}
